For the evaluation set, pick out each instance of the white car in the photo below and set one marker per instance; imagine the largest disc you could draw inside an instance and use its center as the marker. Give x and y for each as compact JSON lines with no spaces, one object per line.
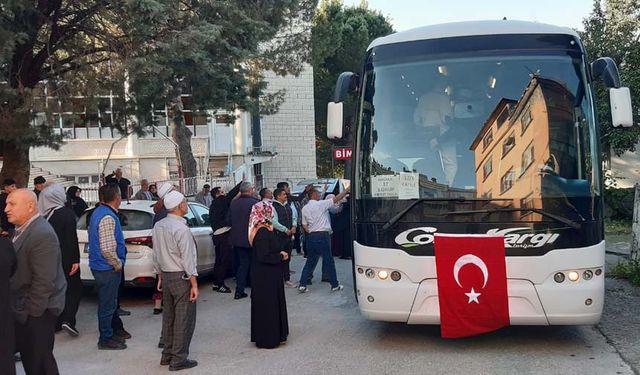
{"x":138,"y":270}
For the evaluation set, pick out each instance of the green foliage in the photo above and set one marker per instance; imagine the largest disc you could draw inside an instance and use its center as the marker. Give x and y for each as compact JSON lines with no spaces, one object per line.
{"x":612,"y":30}
{"x":215,"y":50}
{"x":629,"y":270}
{"x":617,"y":227}
{"x":619,"y":204}
{"x":339,"y":38}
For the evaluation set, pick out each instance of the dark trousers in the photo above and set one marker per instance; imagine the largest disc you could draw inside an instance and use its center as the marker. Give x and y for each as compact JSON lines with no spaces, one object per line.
{"x":107,"y":284}
{"x":34,"y":341}
{"x":178,"y":317}
{"x":286,"y":246}
{"x":244,"y":262}
{"x":222,"y":243}
{"x":319,"y":246}
{"x":297,"y":241}
{"x":71,"y":299}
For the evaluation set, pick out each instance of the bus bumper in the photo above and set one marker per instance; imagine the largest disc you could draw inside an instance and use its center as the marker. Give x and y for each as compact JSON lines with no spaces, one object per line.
{"x":535,"y":298}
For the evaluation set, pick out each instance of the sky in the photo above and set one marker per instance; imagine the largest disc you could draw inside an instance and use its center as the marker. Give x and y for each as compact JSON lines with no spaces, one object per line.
{"x":407,"y":14}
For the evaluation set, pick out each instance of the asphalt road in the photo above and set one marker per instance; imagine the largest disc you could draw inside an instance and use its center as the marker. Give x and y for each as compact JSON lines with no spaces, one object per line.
{"x":328,"y":336}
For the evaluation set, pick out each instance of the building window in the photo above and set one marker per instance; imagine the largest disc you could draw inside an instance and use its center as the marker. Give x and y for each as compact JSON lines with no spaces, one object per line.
{"x":503,"y":117}
{"x":506,"y":182}
{"x":486,"y":195}
{"x":526,"y":119}
{"x":527,"y":158}
{"x":527,"y":202}
{"x":487,"y":168}
{"x":486,"y":141}
{"x":508,"y":144}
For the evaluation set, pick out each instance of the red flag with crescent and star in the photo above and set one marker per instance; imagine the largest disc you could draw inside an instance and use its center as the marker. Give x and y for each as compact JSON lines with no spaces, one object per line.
{"x":472,"y":284}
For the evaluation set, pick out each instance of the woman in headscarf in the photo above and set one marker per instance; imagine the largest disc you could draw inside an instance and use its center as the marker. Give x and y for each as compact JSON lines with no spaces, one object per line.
{"x":74,"y":201}
{"x":269,"y":323}
{"x":52,"y":205}
{"x":153,"y":189}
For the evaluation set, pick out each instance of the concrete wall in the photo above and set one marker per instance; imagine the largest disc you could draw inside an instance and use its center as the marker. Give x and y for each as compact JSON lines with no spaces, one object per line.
{"x":291,"y":132}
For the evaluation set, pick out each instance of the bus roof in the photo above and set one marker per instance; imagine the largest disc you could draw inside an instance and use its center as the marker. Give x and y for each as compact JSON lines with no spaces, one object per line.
{"x":471,"y":28}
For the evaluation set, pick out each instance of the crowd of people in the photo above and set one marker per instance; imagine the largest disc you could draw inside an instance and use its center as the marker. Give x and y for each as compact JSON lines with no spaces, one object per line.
{"x":254,"y":236}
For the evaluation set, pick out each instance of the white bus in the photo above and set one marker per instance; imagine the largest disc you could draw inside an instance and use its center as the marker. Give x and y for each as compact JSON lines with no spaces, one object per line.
{"x":480,"y":128}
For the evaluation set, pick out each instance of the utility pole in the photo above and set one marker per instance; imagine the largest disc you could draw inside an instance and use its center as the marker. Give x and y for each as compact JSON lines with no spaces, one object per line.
{"x":635,"y":228}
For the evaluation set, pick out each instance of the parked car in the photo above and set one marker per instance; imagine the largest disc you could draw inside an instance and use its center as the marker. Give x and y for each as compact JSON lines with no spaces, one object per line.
{"x":334,"y":185}
{"x":136,"y":226}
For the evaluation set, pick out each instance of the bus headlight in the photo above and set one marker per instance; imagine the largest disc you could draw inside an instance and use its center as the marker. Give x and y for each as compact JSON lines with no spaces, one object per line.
{"x":587,"y":275}
{"x":383,"y":274}
{"x":574,"y":276}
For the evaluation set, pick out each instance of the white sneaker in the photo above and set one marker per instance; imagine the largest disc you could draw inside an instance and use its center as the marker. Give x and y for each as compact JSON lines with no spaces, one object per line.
{"x":302,"y":289}
{"x":289,"y":284}
{"x":338,"y":288}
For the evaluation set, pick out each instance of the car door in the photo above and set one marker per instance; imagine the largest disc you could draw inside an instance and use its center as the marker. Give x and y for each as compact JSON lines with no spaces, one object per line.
{"x":198,"y":219}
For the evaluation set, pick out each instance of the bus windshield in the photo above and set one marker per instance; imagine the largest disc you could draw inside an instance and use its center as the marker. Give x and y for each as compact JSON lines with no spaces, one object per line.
{"x":509,"y":131}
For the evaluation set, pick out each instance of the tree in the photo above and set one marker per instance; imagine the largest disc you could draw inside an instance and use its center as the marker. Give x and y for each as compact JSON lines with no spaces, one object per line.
{"x":613,"y":29}
{"x":159,"y":48}
{"x":339,"y":38}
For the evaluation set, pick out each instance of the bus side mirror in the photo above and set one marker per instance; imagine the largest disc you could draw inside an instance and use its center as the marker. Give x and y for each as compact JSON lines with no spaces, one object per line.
{"x":605,"y":69}
{"x":621,"y":110}
{"x":334,"y":120}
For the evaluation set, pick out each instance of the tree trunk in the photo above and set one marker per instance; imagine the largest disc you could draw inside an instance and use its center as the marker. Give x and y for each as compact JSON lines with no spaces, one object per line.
{"x":15,"y":163}
{"x":182,"y":136}
{"x":14,"y":125}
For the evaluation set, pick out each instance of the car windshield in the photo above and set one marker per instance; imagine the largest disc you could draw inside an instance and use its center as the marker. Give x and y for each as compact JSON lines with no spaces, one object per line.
{"x":133,"y":220}
{"x":516,"y":131}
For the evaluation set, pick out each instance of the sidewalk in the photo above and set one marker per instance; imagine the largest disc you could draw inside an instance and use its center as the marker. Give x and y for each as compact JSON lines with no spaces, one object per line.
{"x":617,"y":247}
{"x":620,"y":321}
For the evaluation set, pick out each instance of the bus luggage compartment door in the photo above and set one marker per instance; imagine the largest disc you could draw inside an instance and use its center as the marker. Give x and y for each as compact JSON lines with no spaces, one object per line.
{"x":524,"y":304}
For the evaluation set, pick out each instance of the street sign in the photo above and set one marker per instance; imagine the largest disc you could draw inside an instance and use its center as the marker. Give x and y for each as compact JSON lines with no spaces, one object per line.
{"x":342,"y":153}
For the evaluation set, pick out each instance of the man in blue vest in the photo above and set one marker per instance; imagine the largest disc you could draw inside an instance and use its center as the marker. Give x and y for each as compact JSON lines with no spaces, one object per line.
{"x":106,"y":260}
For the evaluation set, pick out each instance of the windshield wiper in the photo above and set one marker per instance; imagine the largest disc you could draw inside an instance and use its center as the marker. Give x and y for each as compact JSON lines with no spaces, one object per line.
{"x":563,"y":220}
{"x":401,"y":214}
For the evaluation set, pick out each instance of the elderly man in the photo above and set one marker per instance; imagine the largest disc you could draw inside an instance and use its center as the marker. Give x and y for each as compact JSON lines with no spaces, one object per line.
{"x":143,"y":194}
{"x":317,"y":226}
{"x":204,"y":196}
{"x":174,"y":255}
{"x":107,"y":253}
{"x":38,"y":285}
{"x":239,"y":212}
{"x":123,"y":183}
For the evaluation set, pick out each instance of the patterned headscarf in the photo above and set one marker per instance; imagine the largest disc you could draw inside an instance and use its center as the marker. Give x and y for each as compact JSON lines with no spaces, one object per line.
{"x":261,"y":217}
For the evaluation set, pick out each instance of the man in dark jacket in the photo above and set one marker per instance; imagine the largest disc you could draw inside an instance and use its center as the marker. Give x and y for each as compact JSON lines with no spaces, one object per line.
{"x":239,"y":212}
{"x":38,"y":286}
{"x":7,"y":334}
{"x":63,"y":220}
{"x":218,"y":215}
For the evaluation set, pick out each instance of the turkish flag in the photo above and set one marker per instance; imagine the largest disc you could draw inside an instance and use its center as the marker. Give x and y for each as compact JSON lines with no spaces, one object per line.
{"x":472,"y":284}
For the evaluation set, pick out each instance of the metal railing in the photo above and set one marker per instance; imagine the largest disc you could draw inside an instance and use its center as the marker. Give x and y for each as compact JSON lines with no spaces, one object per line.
{"x":189,"y":186}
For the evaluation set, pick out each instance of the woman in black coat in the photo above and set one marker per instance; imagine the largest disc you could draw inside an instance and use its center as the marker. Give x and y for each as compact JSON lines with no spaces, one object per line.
{"x":7,"y":335}
{"x":75,"y":202}
{"x":269,"y":323}
{"x":63,"y":220}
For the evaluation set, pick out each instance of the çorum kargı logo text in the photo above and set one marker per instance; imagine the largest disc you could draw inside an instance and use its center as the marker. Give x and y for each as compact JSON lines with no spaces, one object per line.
{"x":513,"y":237}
